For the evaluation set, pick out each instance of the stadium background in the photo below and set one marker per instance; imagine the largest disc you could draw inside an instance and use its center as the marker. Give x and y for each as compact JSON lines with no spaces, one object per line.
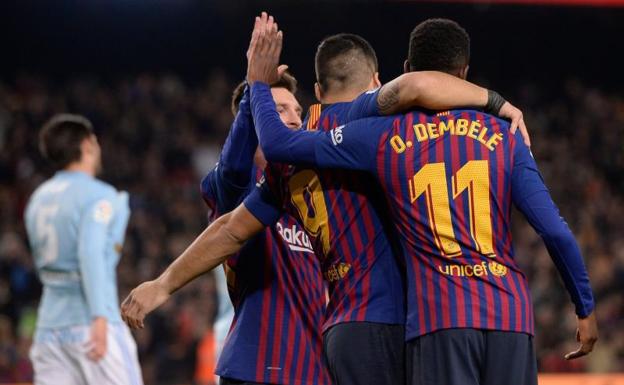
{"x":155,"y":78}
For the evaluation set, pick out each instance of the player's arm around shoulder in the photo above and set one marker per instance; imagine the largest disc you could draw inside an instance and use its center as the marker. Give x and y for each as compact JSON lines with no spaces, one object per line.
{"x":353,"y":146}
{"x":435,"y":90}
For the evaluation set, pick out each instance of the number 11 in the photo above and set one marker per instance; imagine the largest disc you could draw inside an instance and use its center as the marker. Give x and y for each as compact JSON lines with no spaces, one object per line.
{"x":431,"y":180}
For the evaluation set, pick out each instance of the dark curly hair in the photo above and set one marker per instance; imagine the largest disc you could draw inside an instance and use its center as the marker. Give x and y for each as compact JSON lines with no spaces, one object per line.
{"x":438,"y":45}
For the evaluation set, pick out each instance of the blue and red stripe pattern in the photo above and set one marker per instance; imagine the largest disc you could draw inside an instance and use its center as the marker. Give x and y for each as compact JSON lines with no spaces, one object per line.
{"x":450,"y":179}
{"x":276,"y":287}
{"x":358,"y":261}
{"x":471,"y":289}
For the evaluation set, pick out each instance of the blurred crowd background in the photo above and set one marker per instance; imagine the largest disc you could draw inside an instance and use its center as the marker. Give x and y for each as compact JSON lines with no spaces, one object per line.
{"x":161,"y":130}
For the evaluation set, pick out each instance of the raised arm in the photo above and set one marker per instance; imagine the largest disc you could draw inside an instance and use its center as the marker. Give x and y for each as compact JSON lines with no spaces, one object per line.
{"x":222,"y":238}
{"x":532,"y":198}
{"x":278,"y":142}
{"x":224,"y":186}
{"x":236,"y":159}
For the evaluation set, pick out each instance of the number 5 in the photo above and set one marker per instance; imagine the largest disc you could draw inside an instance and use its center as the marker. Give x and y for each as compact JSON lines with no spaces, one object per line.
{"x":47,"y":232}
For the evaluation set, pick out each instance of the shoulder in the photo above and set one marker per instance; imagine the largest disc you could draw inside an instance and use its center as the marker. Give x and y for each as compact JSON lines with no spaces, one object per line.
{"x":100,"y":200}
{"x":375,"y":123}
{"x":102,"y":188}
{"x":323,"y":117}
{"x":488,"y":119}
{"x":95,"y":191}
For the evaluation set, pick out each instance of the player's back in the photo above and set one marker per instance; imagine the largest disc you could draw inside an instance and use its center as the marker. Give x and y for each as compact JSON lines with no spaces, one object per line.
{"x":345,"y":214}
{"x":55,"y":217}
{"x":448,"y":177}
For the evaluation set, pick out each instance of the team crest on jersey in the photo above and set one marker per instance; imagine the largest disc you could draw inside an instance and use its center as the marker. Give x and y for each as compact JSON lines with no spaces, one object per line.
{"x":497,"y":269}
{"x":103,"y":211}
{"x":297,"y":240}
{"x":337,"y":271}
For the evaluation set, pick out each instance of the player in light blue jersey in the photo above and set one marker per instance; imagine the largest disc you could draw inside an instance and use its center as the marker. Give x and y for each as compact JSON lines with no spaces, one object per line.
{"x":76,"y":225}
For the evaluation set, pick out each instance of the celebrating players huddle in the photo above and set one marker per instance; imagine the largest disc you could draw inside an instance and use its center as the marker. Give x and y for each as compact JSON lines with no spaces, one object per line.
{"x":372,"y":246}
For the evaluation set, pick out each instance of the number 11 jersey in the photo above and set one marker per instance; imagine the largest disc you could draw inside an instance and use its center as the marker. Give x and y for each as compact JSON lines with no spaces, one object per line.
{"x":450,"y":179}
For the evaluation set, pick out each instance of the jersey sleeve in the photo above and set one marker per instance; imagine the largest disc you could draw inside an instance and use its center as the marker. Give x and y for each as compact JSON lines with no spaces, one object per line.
{"x":263,"y":203}
{"x":364,"y":106}
{"x":236,"y":158}
{"x":224,"y":186}
{"x":120,"y":222}
{"x":353,"y":146}
{"x":92,"y":240}
{"x":220,"y":193}
{"x":531,"y":197}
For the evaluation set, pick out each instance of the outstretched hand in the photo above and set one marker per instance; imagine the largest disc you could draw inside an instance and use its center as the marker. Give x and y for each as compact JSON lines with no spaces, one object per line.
{"x":264,"y":51}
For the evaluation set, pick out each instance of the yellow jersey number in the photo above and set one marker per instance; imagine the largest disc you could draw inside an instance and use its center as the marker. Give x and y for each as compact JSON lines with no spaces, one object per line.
{"x":306,"y":194}
{"x":474,"y":177}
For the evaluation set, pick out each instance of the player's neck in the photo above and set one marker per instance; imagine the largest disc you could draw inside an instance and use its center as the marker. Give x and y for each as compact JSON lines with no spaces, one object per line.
{"x":83,"y":167}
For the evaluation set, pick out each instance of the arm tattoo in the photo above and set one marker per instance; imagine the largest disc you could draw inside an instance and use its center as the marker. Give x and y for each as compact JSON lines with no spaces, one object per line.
{"x":388,"y":98}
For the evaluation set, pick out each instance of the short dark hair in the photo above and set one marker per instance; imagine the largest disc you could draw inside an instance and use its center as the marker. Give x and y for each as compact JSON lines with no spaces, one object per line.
{"x":438,"y":45}
{"x":286,"y":81}
{"x":344,"y":61}
{"x":60,"y":139}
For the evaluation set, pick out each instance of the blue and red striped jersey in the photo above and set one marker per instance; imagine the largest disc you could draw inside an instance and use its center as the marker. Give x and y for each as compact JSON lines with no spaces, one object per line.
{"x":274,"y":282}
{"x":450,"y":179}
{"x":279,"y":305}
{"x":344,"y":214}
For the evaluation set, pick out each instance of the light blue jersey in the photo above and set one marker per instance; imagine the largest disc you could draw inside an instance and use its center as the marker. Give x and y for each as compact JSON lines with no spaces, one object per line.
{"x":76,"y":225}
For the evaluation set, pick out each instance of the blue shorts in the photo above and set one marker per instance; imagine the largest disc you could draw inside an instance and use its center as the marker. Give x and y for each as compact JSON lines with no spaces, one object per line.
{"x":365,"y":353}
{"x":471,"y":357}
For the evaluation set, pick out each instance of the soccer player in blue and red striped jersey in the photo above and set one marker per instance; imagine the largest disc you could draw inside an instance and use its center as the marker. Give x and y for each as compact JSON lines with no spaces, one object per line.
{"x":365,"y":310}
{"x":450,"y":179}
{"x":345,"y":218}
{"x":357,"y":269}
{"x":275,"y":281}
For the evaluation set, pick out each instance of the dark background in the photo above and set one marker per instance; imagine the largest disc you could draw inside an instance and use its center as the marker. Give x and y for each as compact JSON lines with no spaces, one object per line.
{"x":510,"y":43}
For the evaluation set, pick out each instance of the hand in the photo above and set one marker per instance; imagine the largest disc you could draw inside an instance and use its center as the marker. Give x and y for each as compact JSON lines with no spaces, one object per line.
{"x":141,"y":301}
{"x":97,"y":341}
{"x":264,"y":51}
{"x":509,"y":111}
{"x":587,"y":335}
{"x":254,"y":35}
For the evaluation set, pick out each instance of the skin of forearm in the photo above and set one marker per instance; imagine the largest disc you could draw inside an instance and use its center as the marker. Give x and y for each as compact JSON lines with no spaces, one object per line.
{"x":210,"y":249}
{"x":432,"y":90}
{"x":439,"y":90}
